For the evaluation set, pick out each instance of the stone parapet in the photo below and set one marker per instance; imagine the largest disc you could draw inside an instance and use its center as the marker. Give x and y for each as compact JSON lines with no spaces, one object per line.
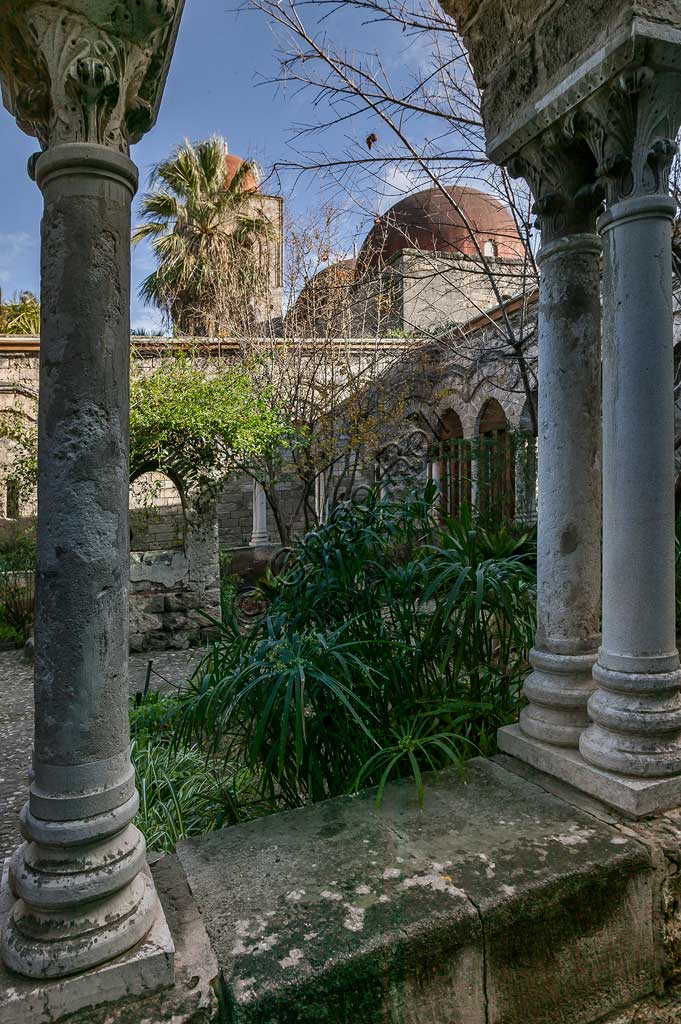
{"x":495,"y":902}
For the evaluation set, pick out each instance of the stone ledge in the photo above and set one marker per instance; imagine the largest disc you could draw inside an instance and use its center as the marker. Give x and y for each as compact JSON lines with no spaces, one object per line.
{"x":637,"y":798}
{"x":495,"y":902}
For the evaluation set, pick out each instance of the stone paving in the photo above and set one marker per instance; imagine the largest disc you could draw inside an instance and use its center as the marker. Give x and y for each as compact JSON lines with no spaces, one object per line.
{"x":16,"y":721}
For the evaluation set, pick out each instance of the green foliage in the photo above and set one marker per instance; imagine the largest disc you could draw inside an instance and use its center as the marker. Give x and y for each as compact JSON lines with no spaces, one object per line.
{"x":194,"y":424}
{"x":8,"y":634}
{"x":209,"y":243}
{"x":21,"y":471}
{"x":22,"y":316}
{"x":182,"y":792}
{"x":191,"y":421}
{"x":17,"y":586}
{"x":391,"y":647}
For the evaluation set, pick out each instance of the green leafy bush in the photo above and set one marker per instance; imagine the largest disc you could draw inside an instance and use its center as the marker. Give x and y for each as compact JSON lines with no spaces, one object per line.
{"x":17,"y":587}
{"x":182,"y":792}
{"x":390,"y":647}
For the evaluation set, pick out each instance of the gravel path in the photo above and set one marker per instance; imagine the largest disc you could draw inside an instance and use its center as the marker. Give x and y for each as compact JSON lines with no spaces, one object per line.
{"x":16,"y":722}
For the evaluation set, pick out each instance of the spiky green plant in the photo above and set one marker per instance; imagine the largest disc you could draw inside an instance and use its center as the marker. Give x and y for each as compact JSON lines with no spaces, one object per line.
{"x":390,"y":648}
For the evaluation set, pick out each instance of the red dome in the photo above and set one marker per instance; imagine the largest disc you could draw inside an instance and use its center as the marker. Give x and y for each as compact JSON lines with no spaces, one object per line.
{"x":232,"y":165}
{"x":432,"y":222}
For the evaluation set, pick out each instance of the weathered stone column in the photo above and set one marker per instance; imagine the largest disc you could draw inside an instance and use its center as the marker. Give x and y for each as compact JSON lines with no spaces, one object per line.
{"x":569,"y":511}
{"x":83,"y":895}
{"x":260,"y":534}
{"x":569,"y":507}
{"x":636,"y":711}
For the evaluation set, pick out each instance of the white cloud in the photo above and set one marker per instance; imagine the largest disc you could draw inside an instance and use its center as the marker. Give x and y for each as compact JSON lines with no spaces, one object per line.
{"x":398,"y":182}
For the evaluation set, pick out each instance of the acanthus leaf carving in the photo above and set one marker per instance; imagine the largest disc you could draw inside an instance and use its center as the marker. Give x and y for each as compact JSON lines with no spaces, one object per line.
{"x":560,"y":175}
{"x":68,"y":78}
{"x":630,"y":125}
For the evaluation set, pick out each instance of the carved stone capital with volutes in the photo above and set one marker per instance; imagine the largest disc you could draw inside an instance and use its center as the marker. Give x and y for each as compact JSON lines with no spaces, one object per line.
{"x":560,"y":174}
{"x":630,"y":125}
{"x":86,"y":70}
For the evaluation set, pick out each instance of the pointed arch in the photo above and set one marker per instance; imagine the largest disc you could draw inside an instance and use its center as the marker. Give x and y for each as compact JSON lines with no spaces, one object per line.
{"x":496,"y":465}
{"x":454,"y":464}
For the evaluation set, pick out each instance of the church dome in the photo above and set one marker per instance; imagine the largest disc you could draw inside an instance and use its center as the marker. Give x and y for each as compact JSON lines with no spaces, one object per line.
{"x":232,"y":165}
{"x":430,"y":222}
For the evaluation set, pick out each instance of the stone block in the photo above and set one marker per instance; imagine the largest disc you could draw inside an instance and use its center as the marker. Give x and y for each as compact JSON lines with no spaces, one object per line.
{"x":486,"y":38}
{"x":565,"y":37}
{"x":496,"y":902}
{"x":154,"y":604}
{"x":523,"y":15}
{"x":175,"y":621}
{"x":137,"y":643}
{"x":181,"y":602}
{"x":519,"y":77}
{"x":635,"y":797}
{"x":180,"y":641}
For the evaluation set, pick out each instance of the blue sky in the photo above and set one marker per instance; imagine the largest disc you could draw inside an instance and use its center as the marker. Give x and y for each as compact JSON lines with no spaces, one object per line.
{"x":213,"y":86}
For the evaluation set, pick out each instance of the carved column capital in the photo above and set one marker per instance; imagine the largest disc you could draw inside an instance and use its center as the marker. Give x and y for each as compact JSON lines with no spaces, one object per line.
{"x":630,"y":125}
{"x":560,"y":173}
{"x":86,"y":71}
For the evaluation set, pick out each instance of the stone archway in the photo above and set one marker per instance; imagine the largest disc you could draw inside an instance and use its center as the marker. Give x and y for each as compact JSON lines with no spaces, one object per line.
{"x":455,"y":465}
{"x":495,"y":497}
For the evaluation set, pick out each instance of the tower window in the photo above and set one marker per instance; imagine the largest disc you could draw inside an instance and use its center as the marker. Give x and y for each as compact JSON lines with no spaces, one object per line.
{"x":490,"y":248}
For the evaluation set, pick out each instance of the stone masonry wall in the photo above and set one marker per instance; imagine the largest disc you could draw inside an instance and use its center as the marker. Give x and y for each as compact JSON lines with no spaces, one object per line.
{"x":169,"y":590}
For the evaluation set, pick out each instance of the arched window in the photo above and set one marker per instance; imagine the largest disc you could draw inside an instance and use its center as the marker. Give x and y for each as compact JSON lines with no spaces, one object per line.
{"x":490,"y":248}
{"x":455,"y":465}
{"x":157,"y":520}
{"x":496,"y":466}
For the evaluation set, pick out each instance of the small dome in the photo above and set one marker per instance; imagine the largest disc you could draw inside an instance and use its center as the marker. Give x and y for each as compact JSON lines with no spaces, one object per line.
{"x":429,"y":221}
{"x":232,"y":165}
{"x":324,"y":298}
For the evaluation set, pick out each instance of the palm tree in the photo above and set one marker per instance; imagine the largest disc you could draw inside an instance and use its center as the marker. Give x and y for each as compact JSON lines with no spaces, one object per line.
{"x":210,"y":244}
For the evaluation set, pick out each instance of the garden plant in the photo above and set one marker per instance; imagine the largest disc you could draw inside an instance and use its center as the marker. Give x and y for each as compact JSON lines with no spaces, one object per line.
{"x":390,"y":646}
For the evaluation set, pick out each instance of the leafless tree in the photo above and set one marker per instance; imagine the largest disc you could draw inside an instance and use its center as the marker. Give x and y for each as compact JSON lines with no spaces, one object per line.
{"x":420,"y":127}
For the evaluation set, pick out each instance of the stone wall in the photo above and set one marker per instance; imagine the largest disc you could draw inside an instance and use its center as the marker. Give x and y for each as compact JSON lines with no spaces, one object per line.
{"x":169,"y":589}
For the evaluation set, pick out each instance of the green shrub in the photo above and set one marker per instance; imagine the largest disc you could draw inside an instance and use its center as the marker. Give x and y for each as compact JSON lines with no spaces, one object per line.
{"x":17,"y":585}
{"x":182,"y":792}
{"x":390,"y":647}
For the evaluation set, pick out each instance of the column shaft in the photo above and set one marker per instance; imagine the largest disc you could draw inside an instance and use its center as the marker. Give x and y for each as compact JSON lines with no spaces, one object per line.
{"x":260,"y":534}
{"x":569,"y":514}
{"x":636,"y":711}
{"x":82,"y":894}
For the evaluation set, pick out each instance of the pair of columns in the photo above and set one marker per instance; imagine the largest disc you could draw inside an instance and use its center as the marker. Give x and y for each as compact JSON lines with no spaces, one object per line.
{"x":614,"y":699}
{"x":87,"y":80}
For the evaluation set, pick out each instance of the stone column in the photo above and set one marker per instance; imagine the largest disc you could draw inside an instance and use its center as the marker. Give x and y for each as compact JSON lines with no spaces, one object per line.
{"x":636,"y":710}
{"x":569,"y":510}
{"x":260,"y":534}
{"x":83,"y":894}
{"x":320,"y":498}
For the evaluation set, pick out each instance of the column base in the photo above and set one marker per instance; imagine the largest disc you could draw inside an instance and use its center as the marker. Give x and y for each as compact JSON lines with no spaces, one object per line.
{"x":259,"y":540}
{"x":634,"y":797}
{"x":144,"y":969}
